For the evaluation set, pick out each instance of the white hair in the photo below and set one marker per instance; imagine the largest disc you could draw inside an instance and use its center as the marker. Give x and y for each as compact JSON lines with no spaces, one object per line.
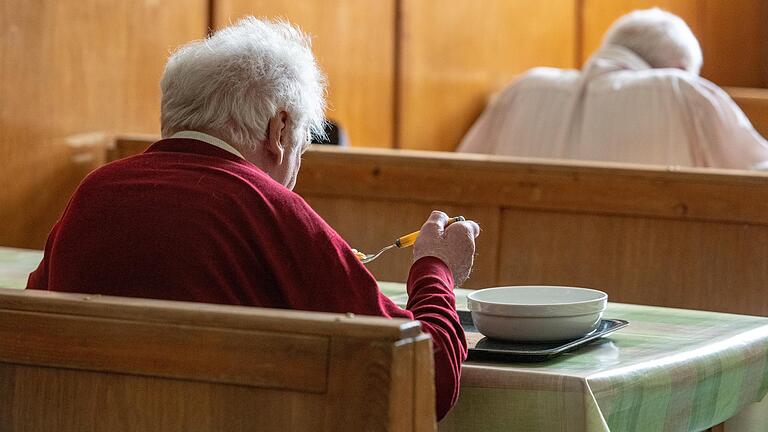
{"x":662,"y":39}
{"x":231,"y":83}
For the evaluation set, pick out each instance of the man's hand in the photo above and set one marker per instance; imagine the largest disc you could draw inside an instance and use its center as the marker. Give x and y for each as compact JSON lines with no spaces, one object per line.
{"x":454,"y":245}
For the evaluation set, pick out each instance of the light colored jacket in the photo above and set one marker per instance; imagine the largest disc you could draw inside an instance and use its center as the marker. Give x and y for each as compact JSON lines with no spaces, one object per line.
{"x":618,"y":109}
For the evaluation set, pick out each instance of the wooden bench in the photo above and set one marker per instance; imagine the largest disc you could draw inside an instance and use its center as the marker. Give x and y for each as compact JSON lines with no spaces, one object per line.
{"x":73,"y":363}
{"x":668,"y":236}
{"x":690,"y":238}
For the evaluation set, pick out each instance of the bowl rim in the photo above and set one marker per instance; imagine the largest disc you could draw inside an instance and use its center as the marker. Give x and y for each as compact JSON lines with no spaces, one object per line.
{"x":561,"y":309}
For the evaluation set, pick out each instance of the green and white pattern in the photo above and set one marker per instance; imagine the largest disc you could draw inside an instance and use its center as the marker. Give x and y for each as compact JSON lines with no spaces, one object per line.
{"x":16,"y":264}
{"x":669,"y":370}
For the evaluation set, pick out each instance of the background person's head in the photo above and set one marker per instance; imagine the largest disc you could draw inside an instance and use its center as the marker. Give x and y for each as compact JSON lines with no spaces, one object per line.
{"x":660,"y":38}
{"x":255,"y":85}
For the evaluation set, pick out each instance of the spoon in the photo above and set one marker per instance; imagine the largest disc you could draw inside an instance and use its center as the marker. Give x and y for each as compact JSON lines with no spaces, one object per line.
{"x":402,"y":242}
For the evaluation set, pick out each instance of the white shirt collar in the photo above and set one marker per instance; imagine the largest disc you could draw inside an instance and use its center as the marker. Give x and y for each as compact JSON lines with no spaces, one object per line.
{"x":212,"y":140}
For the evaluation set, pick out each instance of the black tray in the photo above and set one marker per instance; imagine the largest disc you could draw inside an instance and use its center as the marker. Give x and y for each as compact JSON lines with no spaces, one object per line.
{"x":483,"y":348}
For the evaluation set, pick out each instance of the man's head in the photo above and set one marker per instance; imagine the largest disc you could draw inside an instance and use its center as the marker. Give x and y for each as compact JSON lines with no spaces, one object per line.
{"x":255,"y":85}
{"x":662,"y":39}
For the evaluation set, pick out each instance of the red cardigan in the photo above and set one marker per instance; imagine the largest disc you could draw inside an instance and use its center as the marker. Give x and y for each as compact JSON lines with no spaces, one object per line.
{"x":188,"y":221}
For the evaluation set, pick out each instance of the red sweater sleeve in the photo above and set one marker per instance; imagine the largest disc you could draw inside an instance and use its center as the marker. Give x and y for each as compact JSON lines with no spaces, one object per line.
{"x":432,"y":302}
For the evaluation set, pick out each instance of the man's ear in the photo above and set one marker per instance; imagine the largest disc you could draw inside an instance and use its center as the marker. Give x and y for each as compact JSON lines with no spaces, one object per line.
{"x":276,"y":133}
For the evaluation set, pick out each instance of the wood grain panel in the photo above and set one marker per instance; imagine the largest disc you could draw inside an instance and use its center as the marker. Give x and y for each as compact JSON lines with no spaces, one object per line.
{"x":402,"y":377}
{"x":129,"y":145}
{"x":293,"y":362}
{"x":734,"y":38}
{"x":71,"y":74}
{"x":732,"y":34}
{"x":244,"y":318}
{"x":369,"y":225}
{"x":694,"y":265}
{"x":692,"y":238}
{"x":754,"y":103}
{"x":598,"y":15}
{"x":454,"y":56}
{"x":362,"y":378}
{"x":424,"y":391}
{"x":354,"y":42}
{"x":46,"y":399}
{"x":124,"y":364}
{"x":483,"y":180}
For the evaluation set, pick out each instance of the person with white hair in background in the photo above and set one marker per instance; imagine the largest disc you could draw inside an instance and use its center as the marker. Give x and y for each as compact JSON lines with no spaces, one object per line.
{"x":639,"y":99}
{"x":207,"y":213}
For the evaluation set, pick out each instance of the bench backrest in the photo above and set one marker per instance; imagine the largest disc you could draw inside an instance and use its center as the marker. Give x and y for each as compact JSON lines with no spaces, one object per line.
{"x":667,"y":236}
{"x":73,"y":363}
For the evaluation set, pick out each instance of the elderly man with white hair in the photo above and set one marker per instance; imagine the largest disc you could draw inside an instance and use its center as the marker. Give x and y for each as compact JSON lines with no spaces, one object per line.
{"x":207,"y":214}
{"x":639,"y":99}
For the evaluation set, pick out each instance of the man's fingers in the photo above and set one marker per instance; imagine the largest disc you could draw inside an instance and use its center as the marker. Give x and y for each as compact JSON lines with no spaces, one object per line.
{"x":469,"y":227}
{"x":435,"y":224}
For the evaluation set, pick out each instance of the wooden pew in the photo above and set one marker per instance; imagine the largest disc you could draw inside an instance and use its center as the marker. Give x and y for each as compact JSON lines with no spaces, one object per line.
{"x":754,"y":103}
{"x":71,"y":363}
{"x":668,"y":236}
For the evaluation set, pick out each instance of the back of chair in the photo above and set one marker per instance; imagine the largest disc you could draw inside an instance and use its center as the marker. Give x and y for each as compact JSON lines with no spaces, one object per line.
{"x":73,"y":363}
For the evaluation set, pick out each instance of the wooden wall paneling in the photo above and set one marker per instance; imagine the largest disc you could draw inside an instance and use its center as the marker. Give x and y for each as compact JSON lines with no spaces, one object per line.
{"x":754,"y":103}
{"x":732,"y":34}
{"x":125,"y":145}
{"x":598,"y":15}
{"x":734,"y":39}
{"x":369,"y":225}
{"x":354,"y":43}
{"x":71,"y":74}
{"x":694,"y":265}
{"x":455,"y":55}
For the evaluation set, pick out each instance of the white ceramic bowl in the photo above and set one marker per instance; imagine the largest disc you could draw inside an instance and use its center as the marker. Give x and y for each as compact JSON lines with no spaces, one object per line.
{"x":536,"y":313}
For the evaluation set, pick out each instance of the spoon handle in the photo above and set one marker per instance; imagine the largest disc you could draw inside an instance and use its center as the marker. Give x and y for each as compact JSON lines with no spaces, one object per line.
{"x":410,"y":239}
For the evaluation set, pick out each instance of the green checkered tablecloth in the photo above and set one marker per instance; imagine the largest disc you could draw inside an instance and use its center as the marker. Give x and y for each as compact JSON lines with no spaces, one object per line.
{"x":670,"y":370}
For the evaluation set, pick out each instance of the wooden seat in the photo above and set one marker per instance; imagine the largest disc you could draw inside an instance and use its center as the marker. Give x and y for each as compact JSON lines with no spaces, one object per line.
{"x":74,"y":363}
